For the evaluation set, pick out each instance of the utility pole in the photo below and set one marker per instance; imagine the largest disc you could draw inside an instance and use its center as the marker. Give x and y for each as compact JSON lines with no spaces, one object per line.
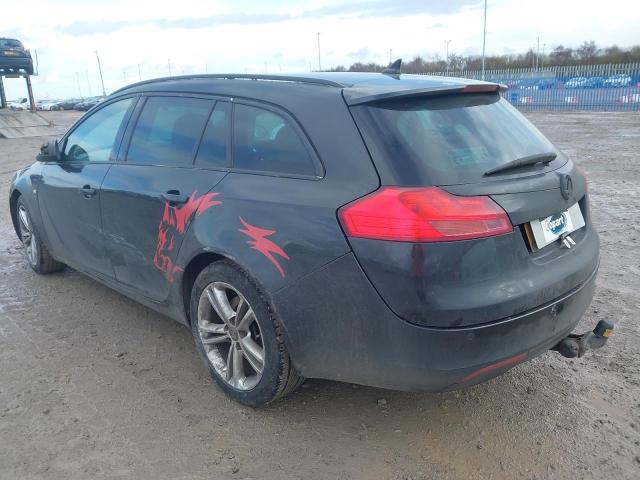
{"x":104,"y":93}
{"x":78,"y":82}
{"x":3,"y":97}
{"x":390,"y":56}
{"x":538,"y":54}
{"x":484,"y":36}
{"x":169,"y":64}
{"x":319,"y":64}
{"x":37,"y":62}
{"x":86,"y":74}
{"x":139,"y":74}
{"x":447,"y":42}
{"x":542,"y":59}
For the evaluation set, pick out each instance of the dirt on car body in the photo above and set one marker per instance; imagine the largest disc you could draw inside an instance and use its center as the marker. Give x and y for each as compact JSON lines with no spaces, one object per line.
{"x":100,"y":386}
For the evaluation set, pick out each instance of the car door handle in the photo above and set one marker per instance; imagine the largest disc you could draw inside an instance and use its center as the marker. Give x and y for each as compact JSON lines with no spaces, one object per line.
{"x":174,"y":196}
{"x":87,"y":191}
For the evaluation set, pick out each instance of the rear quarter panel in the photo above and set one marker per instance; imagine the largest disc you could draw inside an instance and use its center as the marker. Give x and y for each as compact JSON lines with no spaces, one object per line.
{"x":280,"y":229}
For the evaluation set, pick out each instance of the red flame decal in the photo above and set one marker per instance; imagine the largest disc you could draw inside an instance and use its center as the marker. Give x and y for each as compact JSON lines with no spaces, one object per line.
{"x":174,"y":222}
{"x":262,"y":244}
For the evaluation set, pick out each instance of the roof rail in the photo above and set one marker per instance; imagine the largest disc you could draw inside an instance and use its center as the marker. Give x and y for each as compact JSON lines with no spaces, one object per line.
{"x":246,"y":76}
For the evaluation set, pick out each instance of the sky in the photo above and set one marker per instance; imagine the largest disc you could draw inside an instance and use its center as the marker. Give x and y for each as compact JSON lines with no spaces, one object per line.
{"x":142,"y":39}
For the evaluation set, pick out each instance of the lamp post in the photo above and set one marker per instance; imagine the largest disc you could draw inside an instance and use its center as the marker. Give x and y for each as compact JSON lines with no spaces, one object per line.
{"x":104,"y":93}
{"x":447,"y":42}
{"x":484,"y":36}
{"x":319,"y":64}
{"x":78,"y":82}
{"x":86,"y":74}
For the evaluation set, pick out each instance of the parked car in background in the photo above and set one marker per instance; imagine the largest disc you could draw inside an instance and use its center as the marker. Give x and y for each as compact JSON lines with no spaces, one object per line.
{"x":576,"y":82}
{"x":68,"y":104}
{"x":19,"y":104}
{"x":14,"y":58}
{"x":538,"y":83}
{"x":47,"y":104}
{"x":401,"y":231}
{"x":88,"y":103}
{"x":616,"y":81}
{"x":594,"y":82}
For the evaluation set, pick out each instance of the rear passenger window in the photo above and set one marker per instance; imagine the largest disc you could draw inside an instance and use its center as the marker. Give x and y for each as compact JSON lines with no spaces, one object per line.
{"x":168,"y":130}
{"x":265,"y":141}
{"x":213,"y":147}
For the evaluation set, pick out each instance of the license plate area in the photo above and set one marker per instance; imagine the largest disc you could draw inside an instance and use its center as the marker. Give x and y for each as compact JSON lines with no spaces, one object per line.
{"x":544,"y":231}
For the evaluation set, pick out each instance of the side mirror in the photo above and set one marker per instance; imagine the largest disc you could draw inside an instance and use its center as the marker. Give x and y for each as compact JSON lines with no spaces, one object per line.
{"x":49,"y":152}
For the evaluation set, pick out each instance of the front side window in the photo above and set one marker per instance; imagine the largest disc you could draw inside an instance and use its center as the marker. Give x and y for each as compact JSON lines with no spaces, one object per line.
{"x":168,"y":130}
{"x":267,"y":142}
{"x":94,"y":138}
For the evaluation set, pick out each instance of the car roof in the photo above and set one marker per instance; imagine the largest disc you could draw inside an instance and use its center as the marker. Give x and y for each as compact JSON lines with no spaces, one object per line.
{"x":357,"y":88}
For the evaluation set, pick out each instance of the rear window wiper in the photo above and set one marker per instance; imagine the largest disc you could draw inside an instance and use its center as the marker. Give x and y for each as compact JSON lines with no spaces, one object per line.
{"x":546,"y":158}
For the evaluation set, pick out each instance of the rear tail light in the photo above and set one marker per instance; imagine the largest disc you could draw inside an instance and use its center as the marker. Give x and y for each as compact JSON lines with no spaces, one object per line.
{"x":422,"y":215}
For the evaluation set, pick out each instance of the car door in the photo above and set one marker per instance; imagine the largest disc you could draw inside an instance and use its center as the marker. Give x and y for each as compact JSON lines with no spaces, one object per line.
{"x":69,"y":196}
{"x":150,"y":198}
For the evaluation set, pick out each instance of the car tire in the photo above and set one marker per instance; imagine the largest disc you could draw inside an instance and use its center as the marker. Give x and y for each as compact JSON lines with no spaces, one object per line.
{"x":37,"y":255}
{"x":252,"y":364}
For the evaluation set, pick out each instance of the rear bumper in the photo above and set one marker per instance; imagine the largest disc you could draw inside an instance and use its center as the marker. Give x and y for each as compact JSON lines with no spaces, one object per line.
{"x":349,"y":334}
{"x":15,"y":62}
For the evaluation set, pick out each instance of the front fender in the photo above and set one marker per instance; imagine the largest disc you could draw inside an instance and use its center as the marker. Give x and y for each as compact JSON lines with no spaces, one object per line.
{"x":25,"y":184}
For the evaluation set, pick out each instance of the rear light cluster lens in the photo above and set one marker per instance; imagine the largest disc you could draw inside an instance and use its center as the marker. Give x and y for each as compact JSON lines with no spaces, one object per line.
{"x":422,"y":215}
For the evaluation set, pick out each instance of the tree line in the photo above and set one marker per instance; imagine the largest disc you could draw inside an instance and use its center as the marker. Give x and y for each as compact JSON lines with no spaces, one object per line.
{"x":586,"y":54}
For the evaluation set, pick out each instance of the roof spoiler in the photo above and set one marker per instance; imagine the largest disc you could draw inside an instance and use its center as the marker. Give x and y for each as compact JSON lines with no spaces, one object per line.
{"x":423,"y":92}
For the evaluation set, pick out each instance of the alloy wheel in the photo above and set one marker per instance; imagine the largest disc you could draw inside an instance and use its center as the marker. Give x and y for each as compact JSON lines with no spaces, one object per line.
{"x":231,"y":336}
{"x":28,"y":235}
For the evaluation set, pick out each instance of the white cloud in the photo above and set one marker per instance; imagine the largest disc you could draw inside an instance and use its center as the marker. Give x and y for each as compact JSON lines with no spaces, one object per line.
{"x":241,"y":36}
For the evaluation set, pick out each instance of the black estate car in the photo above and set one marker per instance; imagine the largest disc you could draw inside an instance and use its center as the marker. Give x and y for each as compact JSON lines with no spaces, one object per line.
{"x":399,"y":231}
{"x":14,"y":57}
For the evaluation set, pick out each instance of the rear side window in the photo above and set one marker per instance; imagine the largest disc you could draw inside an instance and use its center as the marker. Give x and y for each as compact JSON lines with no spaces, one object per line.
{"x":93,"y":139}
{"x":267,"y":142}
{"x":448,"y":139}
{"x":168,"y":130}
{"x":213,"y":147}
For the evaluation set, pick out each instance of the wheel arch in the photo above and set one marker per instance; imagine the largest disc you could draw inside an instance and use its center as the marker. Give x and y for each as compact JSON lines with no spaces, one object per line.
{"x":201,"y":261}
{"x":191,"y":272}
{"x":13,"y":210}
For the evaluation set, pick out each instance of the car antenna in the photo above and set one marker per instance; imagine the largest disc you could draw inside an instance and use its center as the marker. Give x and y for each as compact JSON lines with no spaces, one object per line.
{"x":393,"y":68}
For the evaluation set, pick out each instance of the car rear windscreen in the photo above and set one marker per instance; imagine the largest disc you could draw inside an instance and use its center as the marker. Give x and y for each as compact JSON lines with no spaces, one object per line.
{"x":445,"y":139}
{"x":10,"y":43}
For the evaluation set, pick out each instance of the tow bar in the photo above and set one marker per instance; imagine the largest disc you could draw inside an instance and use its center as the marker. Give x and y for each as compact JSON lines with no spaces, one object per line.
{"x":577,"y":345}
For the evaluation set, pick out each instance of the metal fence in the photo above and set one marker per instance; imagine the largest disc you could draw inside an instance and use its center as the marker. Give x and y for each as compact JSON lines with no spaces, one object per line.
{"x":580,"y":87}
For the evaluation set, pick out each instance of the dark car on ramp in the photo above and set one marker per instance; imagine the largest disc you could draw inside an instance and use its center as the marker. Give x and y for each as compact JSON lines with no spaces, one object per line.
{"x":399,"y":231}
{"x":14,"y":58}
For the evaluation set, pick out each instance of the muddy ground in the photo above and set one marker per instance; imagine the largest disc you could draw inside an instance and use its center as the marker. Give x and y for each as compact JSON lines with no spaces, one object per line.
{"x":93,"y":385}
